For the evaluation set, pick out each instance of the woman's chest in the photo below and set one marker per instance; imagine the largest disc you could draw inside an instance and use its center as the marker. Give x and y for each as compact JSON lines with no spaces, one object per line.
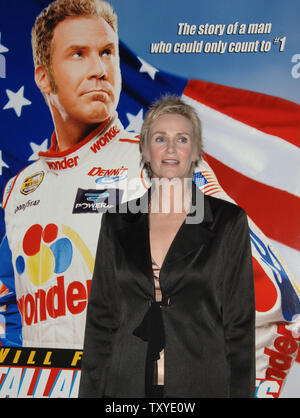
{"x":162,"y":232}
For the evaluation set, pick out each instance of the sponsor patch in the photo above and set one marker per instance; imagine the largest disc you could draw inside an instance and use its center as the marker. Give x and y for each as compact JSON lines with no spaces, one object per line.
{"x":102,"y":172}
{"x":30,"y":184}
{"x":95,"y":200}
{"x":108,"y":176}
{"x":26,"y":205}
{"x":105,"y":139}
{"x":63,"y":164}
{"x":110,"y":179}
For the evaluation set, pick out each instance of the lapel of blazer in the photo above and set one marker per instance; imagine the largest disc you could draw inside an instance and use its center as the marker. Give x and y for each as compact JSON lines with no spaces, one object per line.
{"x":191,"y":239}
{"x":192,"y":234}
{"x":134,"y":239}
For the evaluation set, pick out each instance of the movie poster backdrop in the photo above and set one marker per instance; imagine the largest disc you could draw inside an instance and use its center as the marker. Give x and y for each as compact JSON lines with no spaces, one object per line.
{"x":238,"y":63}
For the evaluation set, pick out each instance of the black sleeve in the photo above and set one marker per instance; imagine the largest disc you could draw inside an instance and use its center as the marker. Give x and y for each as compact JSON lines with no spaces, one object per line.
{"x":101,"y":321}
{"x":239,"y":310}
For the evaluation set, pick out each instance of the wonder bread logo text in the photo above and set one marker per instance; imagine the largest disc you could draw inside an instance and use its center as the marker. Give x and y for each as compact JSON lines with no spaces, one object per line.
{"x":30,"y":184}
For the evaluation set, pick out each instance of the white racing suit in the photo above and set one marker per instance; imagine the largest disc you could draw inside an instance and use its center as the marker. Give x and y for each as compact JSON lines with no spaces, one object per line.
{"x":53,"y":214}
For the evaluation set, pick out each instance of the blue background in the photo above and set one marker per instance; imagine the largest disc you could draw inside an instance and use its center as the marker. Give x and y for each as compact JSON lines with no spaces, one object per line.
{"x":142,"y":22}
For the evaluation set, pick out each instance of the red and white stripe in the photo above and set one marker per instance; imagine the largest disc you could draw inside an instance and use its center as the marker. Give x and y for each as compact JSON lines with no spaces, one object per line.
{"x":251,"y":142}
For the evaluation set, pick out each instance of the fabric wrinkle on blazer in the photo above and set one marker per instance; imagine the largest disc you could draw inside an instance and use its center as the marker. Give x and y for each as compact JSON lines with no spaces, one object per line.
{"x":209,"y":324}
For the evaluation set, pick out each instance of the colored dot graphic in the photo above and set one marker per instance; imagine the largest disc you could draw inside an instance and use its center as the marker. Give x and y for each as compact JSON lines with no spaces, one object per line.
{"x":46,"y":253}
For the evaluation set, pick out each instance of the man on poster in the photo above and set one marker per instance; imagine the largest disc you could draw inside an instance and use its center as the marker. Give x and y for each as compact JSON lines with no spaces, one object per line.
{"x":51,"y":207}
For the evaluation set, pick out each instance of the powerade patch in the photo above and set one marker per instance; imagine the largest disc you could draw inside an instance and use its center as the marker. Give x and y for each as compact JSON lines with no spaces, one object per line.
{"x":95,"y":200}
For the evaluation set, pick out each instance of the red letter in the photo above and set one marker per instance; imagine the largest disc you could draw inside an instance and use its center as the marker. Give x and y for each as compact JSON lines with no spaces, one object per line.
{"x":76,"y":297}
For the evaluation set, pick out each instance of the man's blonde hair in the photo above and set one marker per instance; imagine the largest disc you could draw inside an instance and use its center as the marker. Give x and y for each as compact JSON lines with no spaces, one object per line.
{"x":56,"y":12}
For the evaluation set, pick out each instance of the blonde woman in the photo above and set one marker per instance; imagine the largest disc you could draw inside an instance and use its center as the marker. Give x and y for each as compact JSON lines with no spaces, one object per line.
{"x":171,"y":310}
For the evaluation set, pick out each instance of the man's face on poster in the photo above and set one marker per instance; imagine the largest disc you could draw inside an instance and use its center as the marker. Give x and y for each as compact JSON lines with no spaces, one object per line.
{"x":84,"y":79}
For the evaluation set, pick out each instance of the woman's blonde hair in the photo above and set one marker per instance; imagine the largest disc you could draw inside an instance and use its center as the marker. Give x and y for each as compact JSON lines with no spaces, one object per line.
{"x":170,"y":104}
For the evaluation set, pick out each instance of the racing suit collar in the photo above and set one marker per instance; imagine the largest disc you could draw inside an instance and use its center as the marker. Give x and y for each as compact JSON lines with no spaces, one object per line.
{"x":64,"y":161}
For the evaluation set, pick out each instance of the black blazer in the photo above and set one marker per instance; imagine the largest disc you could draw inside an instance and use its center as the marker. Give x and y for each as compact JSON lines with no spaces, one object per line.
{"x":207,"y":276}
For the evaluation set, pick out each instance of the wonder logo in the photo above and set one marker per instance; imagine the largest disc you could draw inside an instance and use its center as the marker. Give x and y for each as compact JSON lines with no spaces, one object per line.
{"x":48,"y":253}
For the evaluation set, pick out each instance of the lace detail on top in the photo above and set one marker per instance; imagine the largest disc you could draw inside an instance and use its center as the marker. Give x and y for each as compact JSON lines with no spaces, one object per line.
{"x":159,"y":366}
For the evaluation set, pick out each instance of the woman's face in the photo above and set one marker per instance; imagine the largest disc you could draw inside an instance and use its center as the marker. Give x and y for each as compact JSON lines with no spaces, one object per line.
{"x":171,"y":148}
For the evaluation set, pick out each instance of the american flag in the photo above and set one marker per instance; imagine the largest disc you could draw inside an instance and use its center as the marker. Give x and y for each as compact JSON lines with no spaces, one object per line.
{"x":251,"y":140}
